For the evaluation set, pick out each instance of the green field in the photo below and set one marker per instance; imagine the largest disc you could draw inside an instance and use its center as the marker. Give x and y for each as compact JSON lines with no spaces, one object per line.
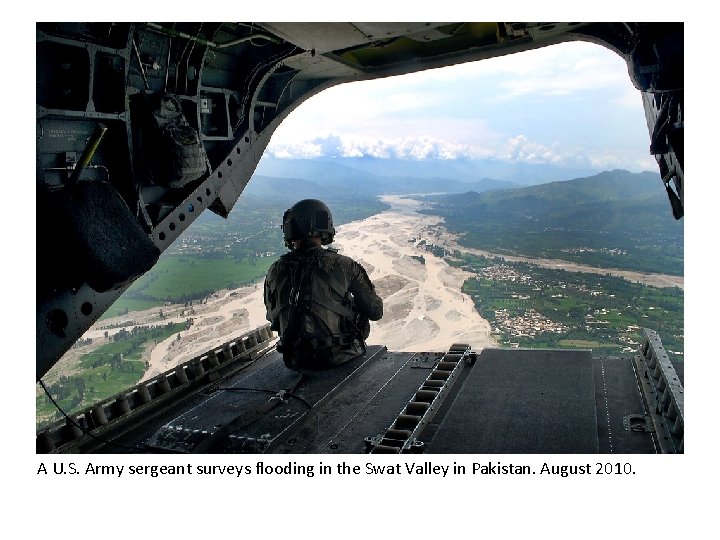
{"x":580,"y":343}
{"x":108,"y":370}
{"x":181,"y":278}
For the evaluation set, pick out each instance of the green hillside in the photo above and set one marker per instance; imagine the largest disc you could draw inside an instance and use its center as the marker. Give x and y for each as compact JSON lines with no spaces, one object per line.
{"x":615,"y":219}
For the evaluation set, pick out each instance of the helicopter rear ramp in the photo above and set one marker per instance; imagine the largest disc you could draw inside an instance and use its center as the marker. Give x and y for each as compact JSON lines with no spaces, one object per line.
{"x":240,"y":398}
{"x":524,"y":401}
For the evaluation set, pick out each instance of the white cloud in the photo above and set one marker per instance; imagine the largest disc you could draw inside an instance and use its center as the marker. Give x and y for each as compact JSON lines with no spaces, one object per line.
{"x":419,"y":148}
{"x":519,"y":149}
{"x":470,"y":111}
{"x":612,"y":159}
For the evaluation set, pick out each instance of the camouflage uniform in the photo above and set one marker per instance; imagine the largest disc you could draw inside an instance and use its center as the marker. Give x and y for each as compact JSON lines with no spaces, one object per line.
{"x":319,"y":302}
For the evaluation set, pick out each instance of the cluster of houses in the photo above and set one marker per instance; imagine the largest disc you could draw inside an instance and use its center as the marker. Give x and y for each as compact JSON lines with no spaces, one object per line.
{"x":530,"y":324}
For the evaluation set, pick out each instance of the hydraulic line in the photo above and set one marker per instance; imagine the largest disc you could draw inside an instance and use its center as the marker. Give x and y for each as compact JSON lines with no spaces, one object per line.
{"x":170,"y":32}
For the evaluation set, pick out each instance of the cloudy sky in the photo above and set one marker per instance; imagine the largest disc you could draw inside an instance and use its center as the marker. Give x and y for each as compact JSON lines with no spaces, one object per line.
{"x":570,"y":104}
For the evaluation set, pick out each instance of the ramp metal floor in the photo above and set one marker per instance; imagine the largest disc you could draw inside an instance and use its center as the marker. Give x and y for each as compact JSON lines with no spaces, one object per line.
{"x":509,"y":401}
{"x":504,"y":401}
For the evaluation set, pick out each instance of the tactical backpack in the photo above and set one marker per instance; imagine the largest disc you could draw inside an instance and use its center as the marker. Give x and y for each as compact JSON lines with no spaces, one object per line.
{"x":302,"y":305}
{"x":176,"y":154}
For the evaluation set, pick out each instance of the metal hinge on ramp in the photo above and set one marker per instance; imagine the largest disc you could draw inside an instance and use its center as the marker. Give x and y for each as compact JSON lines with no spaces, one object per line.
{"x":402,"y":435}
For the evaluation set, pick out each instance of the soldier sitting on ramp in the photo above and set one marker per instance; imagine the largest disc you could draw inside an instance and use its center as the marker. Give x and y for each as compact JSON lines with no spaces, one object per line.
{"x":320,"y":302}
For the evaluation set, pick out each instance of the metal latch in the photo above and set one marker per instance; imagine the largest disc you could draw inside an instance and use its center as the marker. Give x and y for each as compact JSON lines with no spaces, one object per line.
{"x":638,"y":423}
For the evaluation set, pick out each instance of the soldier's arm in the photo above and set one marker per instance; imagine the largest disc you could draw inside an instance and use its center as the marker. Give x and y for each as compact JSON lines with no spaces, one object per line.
{"x":269,"y":304}
{"x":367,"y":301}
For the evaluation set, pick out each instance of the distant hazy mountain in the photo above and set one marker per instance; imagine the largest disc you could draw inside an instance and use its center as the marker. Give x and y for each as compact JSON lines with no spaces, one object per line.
{"x":316,"y":178}
{"x":267,"y":187}
{"x":462,"y":170}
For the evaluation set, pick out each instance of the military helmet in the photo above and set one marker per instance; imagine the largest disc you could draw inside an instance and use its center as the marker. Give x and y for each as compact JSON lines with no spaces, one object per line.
{"x":307,"y":218}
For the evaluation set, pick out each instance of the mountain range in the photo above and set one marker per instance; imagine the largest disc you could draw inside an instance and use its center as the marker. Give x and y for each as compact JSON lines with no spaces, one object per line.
{"x":343,"y":178}
{"x":606,"y":201}
{"x":617,"y":200}
{"x":606,"y":213}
